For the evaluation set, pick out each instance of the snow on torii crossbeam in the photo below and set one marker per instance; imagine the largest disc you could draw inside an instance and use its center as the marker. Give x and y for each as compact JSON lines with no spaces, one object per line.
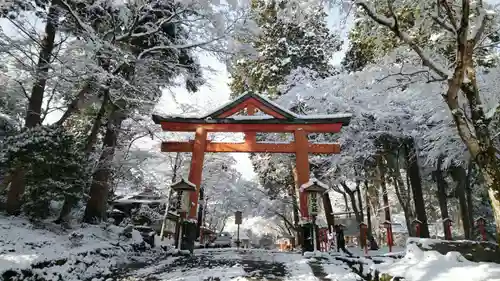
{"x":278,"y":119}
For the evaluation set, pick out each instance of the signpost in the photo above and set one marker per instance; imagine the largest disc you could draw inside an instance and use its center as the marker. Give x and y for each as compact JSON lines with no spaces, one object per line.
{"x":238,"y":220}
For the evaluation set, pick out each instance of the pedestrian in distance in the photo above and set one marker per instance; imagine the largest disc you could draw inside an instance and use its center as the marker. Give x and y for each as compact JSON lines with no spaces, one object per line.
{"x":339,"y":230}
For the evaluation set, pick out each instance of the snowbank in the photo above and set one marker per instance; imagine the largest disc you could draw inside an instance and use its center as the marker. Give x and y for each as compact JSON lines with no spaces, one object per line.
{"x":418,"y":265}
{"x":47,"y":250}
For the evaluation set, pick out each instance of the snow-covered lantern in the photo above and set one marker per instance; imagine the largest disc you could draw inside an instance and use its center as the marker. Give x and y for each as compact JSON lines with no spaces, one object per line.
{"x":184,"y":189}
{"x":313,"y":189}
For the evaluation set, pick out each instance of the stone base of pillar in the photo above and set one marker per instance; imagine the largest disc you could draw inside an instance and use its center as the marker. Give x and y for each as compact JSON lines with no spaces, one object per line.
{"x":188,"y":236}
{"x":307,"y":238}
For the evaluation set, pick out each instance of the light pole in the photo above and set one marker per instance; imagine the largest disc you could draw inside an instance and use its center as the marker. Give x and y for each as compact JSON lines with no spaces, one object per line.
{"x":313,"y":189}
{"x":183,"y":189}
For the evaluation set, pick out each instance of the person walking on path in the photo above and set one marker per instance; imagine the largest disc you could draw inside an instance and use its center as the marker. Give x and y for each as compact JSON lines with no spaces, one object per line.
{"x":373,"y":243}
{"x":341,"y":240}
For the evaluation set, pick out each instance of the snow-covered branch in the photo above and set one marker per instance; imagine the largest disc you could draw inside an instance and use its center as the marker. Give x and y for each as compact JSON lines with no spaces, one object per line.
{"x":404,"y":36}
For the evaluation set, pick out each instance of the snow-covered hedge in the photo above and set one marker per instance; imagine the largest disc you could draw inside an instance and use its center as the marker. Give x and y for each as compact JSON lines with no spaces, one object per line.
{"x":47,"y":252}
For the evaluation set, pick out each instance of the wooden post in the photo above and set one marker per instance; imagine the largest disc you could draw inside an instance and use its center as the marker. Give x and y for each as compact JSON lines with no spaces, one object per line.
{"x":302,"y":164}
{"x":196,"y":169}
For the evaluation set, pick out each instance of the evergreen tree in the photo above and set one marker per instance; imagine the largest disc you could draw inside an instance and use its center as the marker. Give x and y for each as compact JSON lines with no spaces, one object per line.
{"x":289,"y":38}
{"x":53,"y":164}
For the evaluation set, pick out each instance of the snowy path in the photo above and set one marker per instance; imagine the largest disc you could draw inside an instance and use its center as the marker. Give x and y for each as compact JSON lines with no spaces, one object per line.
{"x":230,"y":264}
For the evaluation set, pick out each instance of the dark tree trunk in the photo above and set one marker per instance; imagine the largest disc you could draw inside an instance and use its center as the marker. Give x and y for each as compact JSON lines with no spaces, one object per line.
{"x":368,"y":211}
{"x":468,"y":194}
{"x":402,"y":192}
{"x":34,"y":110}
{"x":413,"y":172}
{"x":360,"y":200}
{"x":460,"y":177}
{"x":296,"y":218}
{"x":327,"y":205}
{"x":442,"y":192}
{"x":95,"y":210}
{"x":92,"y":138}
{"x":352,"y":198}
{"x":73,"y":105}
{"x":69,"y":203}
{"x":201,"y":207}
{"x":346,"y":202}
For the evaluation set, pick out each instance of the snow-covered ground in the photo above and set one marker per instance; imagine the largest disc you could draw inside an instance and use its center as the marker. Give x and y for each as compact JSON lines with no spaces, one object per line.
{"x":78,"y":254}
{"x":418,"y":265}
{"x":96,"y":251}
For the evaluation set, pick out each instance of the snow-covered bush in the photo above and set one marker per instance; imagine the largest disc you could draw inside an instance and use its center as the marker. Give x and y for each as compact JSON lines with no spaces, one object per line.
{"x":53,"y":164}
{"x":146,"y":215}
{"x":75,"y":238}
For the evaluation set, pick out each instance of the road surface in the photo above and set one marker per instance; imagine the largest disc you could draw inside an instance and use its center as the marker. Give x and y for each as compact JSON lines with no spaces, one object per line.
{"x":234,"y":265}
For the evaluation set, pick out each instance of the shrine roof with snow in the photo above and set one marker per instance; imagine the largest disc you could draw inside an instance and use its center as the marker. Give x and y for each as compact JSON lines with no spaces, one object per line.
{"x":275,"y":114}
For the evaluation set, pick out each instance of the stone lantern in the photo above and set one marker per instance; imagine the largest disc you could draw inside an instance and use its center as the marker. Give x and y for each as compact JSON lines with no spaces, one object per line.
{"x":314,"y":189}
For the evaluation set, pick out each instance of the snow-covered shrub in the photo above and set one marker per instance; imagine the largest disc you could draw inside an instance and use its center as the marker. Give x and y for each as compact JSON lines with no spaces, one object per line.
{"x":75,"y":238}
{"x":54,"y":166}
{"x":146,"y":215}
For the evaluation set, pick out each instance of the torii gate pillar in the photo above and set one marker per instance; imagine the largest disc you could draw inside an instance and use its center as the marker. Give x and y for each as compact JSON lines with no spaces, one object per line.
{"x":283,"y":121}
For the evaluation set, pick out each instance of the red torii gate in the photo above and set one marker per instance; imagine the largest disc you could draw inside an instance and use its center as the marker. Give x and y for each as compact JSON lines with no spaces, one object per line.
{"x":278,"y":120}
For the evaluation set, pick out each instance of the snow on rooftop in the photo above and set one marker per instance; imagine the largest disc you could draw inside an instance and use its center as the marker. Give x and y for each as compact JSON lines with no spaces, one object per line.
{"x":185,"y":181}
{"x":325,"y":116}
{"x":251,"y":117}
{"x":312,"y":182}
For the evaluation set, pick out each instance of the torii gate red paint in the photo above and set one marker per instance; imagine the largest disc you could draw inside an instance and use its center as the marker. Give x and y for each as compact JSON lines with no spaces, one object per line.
{"x":278,"y":120}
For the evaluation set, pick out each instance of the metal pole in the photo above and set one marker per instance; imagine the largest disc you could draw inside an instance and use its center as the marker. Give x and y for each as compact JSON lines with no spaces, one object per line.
{"x":238,"y":238}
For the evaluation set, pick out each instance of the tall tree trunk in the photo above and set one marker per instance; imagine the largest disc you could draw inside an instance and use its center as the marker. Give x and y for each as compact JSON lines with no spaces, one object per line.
{"x":295,"y":204}
{"x":460,"y":177}
{"x":99,"y":190}
{"x":352,"y":198}
{"x":442,"y":191}
{"x":92,"y":138}
{"x":360,"y":200}
{"x":346,"y":202}
{"x":468,"y":194}
{"x":70,"y":202}
{"x":413,"y":172}
{"x":201,"y":207}
{"x":402,"y":192}
{"x":404,"y":206}
{"x":34,"y":110}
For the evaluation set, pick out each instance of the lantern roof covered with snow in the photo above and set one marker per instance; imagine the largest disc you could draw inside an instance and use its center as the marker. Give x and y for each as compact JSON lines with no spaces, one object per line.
{"x":314,"y":185}
{"x":183,"y":185}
